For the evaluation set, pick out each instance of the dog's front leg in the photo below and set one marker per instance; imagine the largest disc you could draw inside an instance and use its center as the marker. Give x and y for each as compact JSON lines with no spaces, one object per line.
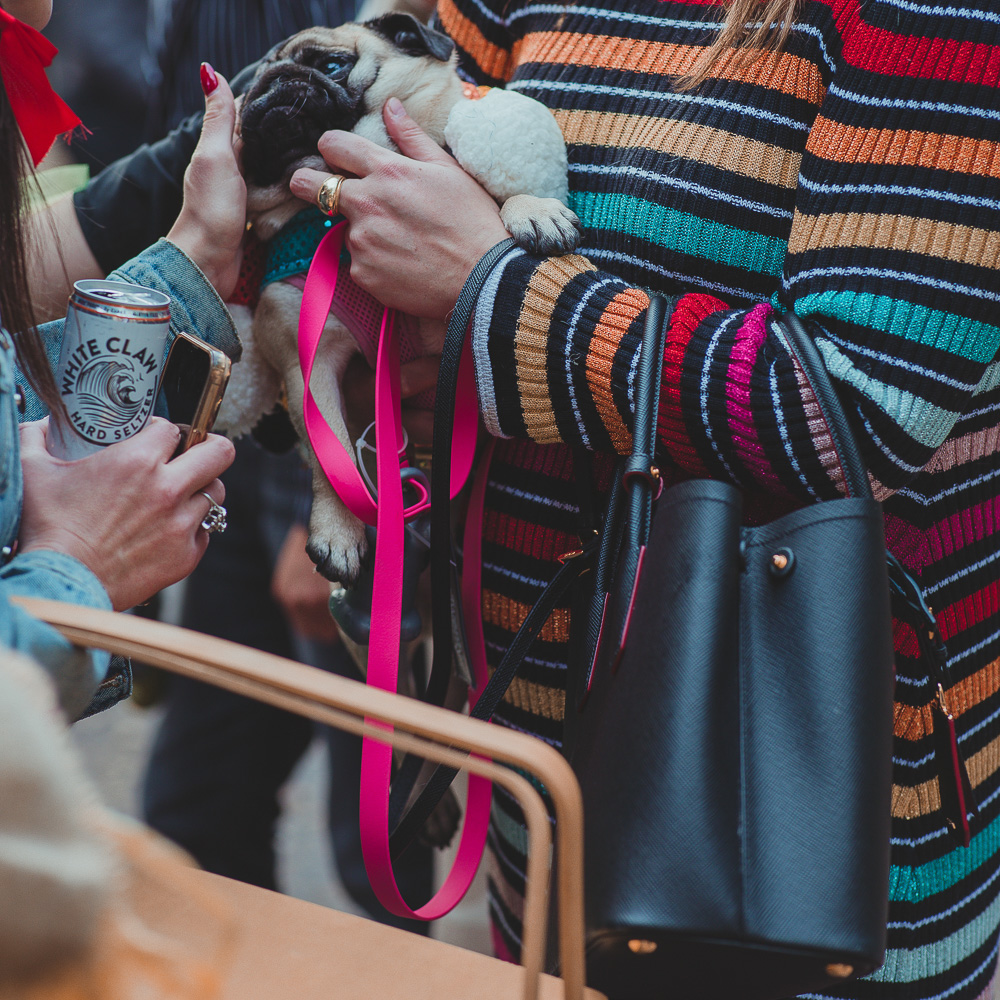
{"x":337,"y":542}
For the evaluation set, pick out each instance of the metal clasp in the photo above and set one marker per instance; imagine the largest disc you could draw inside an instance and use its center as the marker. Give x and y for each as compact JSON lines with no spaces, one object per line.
{"x":944,"y":704}
{"x":652,"y":478}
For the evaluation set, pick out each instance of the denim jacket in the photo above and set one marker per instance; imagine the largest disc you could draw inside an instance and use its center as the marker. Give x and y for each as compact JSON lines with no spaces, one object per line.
{"x":195,"y":307}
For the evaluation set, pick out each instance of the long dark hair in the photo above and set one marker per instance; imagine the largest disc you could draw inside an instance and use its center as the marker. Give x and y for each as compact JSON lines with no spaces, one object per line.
{"x":16,"y":313}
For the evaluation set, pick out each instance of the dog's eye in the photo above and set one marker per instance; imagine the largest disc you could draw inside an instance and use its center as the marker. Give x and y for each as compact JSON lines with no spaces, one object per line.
{"x":336,"y":69}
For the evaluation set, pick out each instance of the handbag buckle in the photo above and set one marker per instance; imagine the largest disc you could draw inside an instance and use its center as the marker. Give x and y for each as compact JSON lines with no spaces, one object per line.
{"x":653,"y":479}
{"x":586,"y":548}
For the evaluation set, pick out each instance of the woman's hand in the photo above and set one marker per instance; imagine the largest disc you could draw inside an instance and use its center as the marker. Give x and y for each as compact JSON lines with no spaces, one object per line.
{"x":212,"y":221}
{"x":418,"y":221}
{"x":127,"y":512}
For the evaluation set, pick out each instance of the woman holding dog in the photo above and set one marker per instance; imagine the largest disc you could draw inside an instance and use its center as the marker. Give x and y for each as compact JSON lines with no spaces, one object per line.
{"x":835,"y":158}
{"x":112,"y":529}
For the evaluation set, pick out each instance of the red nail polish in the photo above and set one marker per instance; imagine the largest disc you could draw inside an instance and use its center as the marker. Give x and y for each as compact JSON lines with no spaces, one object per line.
{"x":209,"y":81}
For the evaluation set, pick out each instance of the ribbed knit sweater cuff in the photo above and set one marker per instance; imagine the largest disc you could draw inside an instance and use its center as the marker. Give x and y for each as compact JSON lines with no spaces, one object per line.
{"x":747,"y":433}
{"x":556,"y":344}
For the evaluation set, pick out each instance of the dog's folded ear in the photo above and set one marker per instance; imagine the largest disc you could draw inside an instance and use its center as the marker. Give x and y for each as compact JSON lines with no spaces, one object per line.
{"x":412,"y":37}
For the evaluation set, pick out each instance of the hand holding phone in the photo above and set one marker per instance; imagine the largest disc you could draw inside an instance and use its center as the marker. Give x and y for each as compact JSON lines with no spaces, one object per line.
{"x":194,"y":382}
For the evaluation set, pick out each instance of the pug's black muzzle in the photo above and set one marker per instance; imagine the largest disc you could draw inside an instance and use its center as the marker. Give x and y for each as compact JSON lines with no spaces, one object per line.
{"x":285,"y":111}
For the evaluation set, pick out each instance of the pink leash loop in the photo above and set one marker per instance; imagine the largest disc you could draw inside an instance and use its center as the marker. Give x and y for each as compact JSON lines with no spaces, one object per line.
{"x":389,"y":516}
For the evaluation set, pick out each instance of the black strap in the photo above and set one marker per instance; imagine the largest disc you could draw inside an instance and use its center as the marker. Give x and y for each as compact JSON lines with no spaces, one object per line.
{"x":557,"y":588}
{"x":640,"y":474}
{"x":442,"y":559}
{"x":630,"y":500}
{"x":804,"y":348}
{"x":444,"y":418}
{"x":908,"y":602}
{"x":412,"y":823}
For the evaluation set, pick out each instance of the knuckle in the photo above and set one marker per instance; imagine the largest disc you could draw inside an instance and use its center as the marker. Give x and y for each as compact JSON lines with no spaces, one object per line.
{"x":172,"y":496}
{"x":132,"y":462}
{"x":370,"y":210}
{"x":207,"y":155}
{"x":217,"y":158}
{"x":395,"y":170}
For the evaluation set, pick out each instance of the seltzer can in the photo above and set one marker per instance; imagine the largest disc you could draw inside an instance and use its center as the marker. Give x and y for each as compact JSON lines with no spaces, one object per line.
{"x":109,"y":367}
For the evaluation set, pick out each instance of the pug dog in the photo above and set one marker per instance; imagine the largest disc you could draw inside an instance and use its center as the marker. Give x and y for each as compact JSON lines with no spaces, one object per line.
{"x":340,"y":78}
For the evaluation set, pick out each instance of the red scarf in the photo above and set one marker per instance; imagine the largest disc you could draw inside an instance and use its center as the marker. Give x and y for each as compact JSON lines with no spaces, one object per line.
{"x":41,"y":114}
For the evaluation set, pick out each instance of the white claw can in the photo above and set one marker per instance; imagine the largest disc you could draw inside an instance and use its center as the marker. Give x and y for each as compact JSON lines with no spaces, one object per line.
{"x":109,"y":367}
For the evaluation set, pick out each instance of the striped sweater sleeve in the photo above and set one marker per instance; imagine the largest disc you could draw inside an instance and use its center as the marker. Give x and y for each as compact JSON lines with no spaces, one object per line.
{"x":893,"y":258}
{"x":481,"y":36}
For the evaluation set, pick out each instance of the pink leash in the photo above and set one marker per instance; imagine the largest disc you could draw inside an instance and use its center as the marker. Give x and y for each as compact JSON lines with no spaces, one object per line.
{"x":389,"y":515}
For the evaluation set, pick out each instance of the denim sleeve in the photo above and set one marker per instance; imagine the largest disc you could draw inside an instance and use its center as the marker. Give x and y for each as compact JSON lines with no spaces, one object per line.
{"x":195,"y":304}
{"x":195,"y":307}
{"x":76,"y":672}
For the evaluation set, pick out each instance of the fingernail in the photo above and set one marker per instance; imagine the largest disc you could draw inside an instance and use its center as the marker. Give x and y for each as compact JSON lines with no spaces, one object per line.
{"x":395,"y":107}
{"x":209,"y":81}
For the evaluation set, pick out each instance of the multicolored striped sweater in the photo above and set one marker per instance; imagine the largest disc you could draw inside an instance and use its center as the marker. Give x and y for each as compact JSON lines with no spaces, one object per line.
{"x":854,"y":178}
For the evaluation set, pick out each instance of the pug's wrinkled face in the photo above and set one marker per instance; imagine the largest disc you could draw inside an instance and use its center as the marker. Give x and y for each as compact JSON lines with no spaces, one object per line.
{"x":338,"y":78}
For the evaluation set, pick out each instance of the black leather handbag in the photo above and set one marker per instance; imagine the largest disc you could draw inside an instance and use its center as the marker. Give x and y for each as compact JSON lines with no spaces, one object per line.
{"x":731,"y":728}
{"x":729,"y":715}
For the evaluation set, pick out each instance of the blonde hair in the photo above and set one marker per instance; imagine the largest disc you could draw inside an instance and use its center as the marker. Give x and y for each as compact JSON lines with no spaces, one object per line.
{"x":752,"y":29}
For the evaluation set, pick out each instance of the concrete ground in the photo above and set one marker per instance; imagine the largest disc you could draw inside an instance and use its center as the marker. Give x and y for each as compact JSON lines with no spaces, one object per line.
{"x":114,"y":747}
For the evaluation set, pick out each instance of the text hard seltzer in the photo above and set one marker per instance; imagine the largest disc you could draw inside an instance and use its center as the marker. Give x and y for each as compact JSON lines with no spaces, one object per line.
{"x":109,"y":367}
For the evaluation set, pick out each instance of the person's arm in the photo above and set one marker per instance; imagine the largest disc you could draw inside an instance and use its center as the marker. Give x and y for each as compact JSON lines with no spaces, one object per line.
{"x":58,"y":255}
{"x":129,"y":206}
{"x":195,"y":308}
{"x":198,"y":264}
{"x":107,"y":531}
{"x":896,"y":273}
{"x":126,"y":208}
{"x":133,"y":202}
{"x":75,"y":672}
{"x":898,"y":283}
{"x":117,"y":526}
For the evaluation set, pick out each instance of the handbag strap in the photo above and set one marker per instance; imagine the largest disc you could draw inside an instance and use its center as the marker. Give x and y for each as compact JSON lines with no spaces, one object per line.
{"x":804,"y":349}
{"x":958,"y":797}
{"x":641,"y":474}
{"x":634,"y":486}
{"x":573,"y":565}
{"x":908,"y":598}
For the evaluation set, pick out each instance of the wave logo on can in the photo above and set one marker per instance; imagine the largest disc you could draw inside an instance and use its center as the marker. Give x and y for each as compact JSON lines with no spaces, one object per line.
{"x":108,"y":389}
{"x":108,"y":370}
{"x":109,"y":392}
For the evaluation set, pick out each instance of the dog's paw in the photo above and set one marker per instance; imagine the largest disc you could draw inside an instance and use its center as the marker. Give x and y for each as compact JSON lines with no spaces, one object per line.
{"x":541,"y":225}
{"x":338,"y":550}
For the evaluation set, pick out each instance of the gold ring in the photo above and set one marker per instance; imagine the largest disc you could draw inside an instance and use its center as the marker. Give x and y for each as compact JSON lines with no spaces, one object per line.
{"x":328,"y":196}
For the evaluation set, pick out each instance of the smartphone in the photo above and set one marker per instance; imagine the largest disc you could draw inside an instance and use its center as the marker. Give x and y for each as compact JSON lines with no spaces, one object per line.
{"x":194,"y":382}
